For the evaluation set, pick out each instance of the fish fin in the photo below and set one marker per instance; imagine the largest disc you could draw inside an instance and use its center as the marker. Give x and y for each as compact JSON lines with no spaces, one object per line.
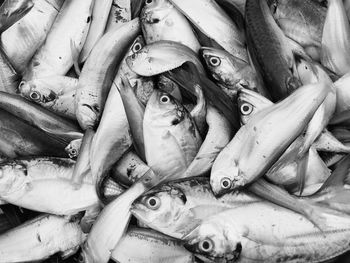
{"x":82,"y":165}
{"x":338,"y":176}
{"x":302,"y":164}
{"x":328,"y":143}
{"x":75,"y":57}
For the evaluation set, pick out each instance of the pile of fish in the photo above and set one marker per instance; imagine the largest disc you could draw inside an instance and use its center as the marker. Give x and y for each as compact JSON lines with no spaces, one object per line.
{"x":174,"y":131}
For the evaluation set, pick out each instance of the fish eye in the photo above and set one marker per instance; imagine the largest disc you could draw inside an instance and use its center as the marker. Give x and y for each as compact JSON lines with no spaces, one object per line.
{"x":214,"y":61}
{"x":206,"y":245}
{"x":225,"y":183}
{"x":148,"y":2}
{"x":164,"y":99}
{"x":34,"y":95}
{"x":137,"y":46}
{"x":73,"y":151}
{"x":246,"y":108}
{"x":153,"y":202}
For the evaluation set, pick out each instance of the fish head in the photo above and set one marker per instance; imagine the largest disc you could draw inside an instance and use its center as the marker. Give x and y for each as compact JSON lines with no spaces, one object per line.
{"x":138,"y":60}
{"x":155,"y":10}
{"x":162,"y":208}
{"x":34,"y":90}
{"x":162,"y":109}
{"x":88,"y":115}
{"x":12,"y":176}
{"x":211,"y":242}
{"x":250,"y":102}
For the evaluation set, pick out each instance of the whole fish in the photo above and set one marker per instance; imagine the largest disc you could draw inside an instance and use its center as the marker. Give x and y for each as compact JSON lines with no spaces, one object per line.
{"x":99,"y":19}
{"x":270,"y":50}
{"x":12,"y":11}
{"x":18,"y":138}
{"x":257,"y":232}
{"x":231,"y":72}
{"x":174,"y":208}
{"x":55,"y":56}
{"x":35,"y":183}
{"x":40,"y":238}
{"x":160,"y":20}
{"x":95,"y":82}
{"x":212,"y":20}
{"x":23,"y":38}
{"x":56,"y":93}
{"x":264,"y":139}
{"x":302,"y":21}
{"x":170,"y":136}
{"x":152,"y":247}
{"x":162,"y":56}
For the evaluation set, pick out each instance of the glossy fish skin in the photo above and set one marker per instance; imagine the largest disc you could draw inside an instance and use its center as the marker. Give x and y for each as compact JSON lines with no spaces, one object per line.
{"x":152,"y":247}
{"x":23,"y":38}
{"x":21,"y":139}
{"x":232,"y":72}
{"x":212,"y":20}
{"x":40,"y":238}
{"x":170,"y":136}
{"x":233,"y":167}
{"x":56,"y":93}
{"x":257,"y":232}
{"x":9,"y":78}
{"x":162,"y":56}
{"x":160,"y":20}
{"x":270,"y":51}
{"x":301,"y":21}
{"x":35,"y":183}
{"x":182,"y":203}
{"x":12,"y":11}
{"x":55,"y":56}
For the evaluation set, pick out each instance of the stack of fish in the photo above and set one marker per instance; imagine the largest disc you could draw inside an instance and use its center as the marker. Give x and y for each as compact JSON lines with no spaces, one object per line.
{"x":174,"y":131}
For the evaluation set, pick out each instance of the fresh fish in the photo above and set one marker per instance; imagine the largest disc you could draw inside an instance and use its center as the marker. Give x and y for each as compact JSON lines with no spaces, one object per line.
{"x":95,"y":82}
{"x":170,"y":136}
{"x":99,"y":19}
{"x":35,"y":183}
{"x":343,"y":93}
{"x":240,"y":4}
{"x":9,"y":78}
{"x":160,"y":20}
{"x":277,"y":126}
{"x":120,"y":13}
{"x":162,"y":56}
{"x":231,"y":72}
{"x":40,"y":118}
{"x":301,"y":20}
{"x":18,"y":138}
{"x":174,"y":208}
{"x":73,"y":148}
{"x":70,"y":28}
{"x":336,"y":39}
{"x":11,"y":11}
{"x":199,"y":111}
{"x":40,"y":238}
{"x":257,"y":232}
{"x":152,"y":247}
{"x":23,"y":39}
{"x":56,"y":93}
{"x":212,"y":20}
{"x":270,"y":50}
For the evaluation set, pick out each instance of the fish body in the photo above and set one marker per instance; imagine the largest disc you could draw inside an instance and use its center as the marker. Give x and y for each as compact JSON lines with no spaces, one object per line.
{"x":9,"y":77}
{"x":12,"y":11}
{"x":23,"y":38}
{"x":36,"y":184}
{"x":160,"y":20}
{"x":119,"y":14}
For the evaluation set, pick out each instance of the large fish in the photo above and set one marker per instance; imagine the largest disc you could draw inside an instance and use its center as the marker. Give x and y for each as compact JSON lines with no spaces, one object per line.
{"x":270,"y":50}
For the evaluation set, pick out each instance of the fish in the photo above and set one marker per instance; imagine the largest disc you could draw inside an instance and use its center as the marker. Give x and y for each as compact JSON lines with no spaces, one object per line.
{"x":270,"y":51}
{"x":40,"y":238}
{"x":35,"y":183}
{"x":213,"y":22}
{"x":231,"y":72}
{"x":153,"y":247}
{"x":12,"y":11}
{"x":160,"y":57}
{"x":342,"y":94}
{"x":171,"y":138}
{"x":23,"y":38}
{"x":174,"y":208}
{"x":120,"y":13}
{"x":257,"y":232}
{"x":73,"y":148}
{"x":9,"y":77}
{"x":233,"y":167}
{"x":95,"y":82}
{"x":56,"y":93}
{"x":98,"y":19}
{"x":302,"y":21}
{"x":71,"y":26}
{"x":336,"y":39}
{"x":160,"y":20}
